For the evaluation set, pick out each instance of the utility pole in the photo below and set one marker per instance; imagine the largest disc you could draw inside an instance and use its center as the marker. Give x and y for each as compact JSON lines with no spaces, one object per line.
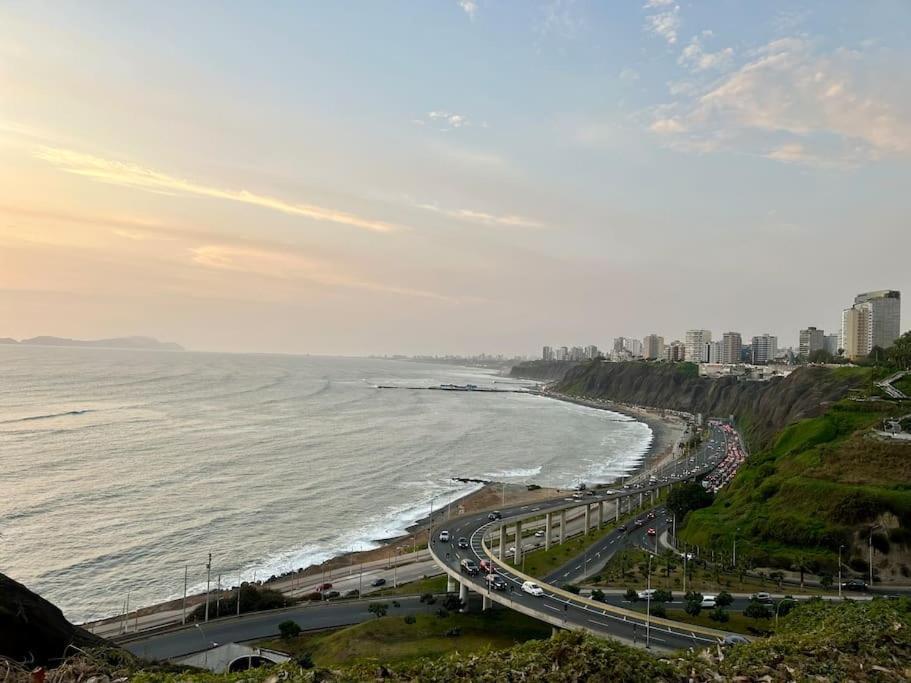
{"x":208,"y":584}
{"x":183,"y":617}
{"x":648,"y":604}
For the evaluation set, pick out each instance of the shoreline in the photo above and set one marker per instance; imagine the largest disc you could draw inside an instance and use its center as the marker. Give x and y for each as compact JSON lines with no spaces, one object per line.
{"x":666,"y":431}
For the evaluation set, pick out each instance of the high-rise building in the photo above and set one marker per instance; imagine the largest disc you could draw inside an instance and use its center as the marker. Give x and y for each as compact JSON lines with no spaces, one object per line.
{"x":765,"y":348}
{"x":731,"y":347}
{"x":547,"y":353}
{"x":634,"y":346}
{"x":716,"y":351}
{"x":811,"y":340}
{"x":831,"y":343}
{"x":592,"y":351}
{"x":697,"y":345}
{"x":873,"y":320}
{"x":675,"y":351}
{"x":577,"y":353}
{"x":653,"y":347}
{"x":562,"y":353}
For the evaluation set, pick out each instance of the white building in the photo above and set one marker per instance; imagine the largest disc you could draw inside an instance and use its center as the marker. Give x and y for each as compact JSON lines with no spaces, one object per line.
{"x":732,"y":345}
{"x":716,"y":352}
{"x":697,"y":345}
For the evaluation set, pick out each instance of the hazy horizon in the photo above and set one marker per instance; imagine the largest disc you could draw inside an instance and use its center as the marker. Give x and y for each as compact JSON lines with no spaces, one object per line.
{"x":461,"y":176}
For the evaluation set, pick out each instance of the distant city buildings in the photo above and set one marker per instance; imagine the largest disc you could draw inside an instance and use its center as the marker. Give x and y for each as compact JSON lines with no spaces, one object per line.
{"x":873,"y":320}
{"x":716,"y":351}
{"x":811,"y":339}
{"x":591,"y":352}
{"x":731,"y":347}
{"x":547,"y":353}
{"x":832,"y":343}
{"x":765,"y":348}
{"x":653,"y":347}
{"x":697,"y":349}
{"x":675,"y":351}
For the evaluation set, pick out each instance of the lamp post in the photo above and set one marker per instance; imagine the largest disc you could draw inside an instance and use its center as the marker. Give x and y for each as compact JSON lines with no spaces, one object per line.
{"x":839,"y":569}
{"x":734,"y":553}
{"x":648,"y":604}
{"x":208,"y":583}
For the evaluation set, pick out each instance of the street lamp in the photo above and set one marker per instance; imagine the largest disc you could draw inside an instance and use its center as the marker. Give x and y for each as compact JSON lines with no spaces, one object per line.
{"x":648,"y":604}
{"x":734,"y":553}
{"x":875,"y":526}
{"x":839,"y":569}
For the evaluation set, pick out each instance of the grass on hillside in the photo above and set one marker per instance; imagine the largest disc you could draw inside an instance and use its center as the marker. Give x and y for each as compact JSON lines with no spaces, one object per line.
{"x":794,"y":503}
{"x":433,"y":584}
{"x":391,"y":640}
{"x":629,"y":569}
{"x":904,"y":385}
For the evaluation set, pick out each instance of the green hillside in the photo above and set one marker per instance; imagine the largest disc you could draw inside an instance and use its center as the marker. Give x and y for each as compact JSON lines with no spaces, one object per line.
{"x":822,"y":483}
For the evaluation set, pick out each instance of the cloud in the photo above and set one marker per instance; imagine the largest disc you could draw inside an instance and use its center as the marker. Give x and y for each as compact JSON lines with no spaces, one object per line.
{"x":790,"y":103}
{"x":664,"y":24}
{"x":447,"y":119}
{"x":138,"y":177}
{"x":695,"y":57}
{"x":560,"y":17}
{"x":629,"y":74}
{"x":658,"y":3}
{"x":508,"y":220}
{"x":470,"y":7}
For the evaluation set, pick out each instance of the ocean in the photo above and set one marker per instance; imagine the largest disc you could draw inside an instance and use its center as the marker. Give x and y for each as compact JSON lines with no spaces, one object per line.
{"x":118,"y":468}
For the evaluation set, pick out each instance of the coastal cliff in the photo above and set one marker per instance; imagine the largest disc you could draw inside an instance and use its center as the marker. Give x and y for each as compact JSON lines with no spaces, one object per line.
{"x":760,"y":408}
{"x":543,"y":370}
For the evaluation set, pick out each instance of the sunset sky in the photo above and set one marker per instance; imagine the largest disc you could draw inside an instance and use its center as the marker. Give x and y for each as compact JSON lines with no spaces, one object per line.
{"x":449,"y":175}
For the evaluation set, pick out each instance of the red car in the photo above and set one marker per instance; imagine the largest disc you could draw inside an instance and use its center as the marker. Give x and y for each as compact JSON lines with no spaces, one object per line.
{"x":323,"y":587}
{"x":650,"y":532}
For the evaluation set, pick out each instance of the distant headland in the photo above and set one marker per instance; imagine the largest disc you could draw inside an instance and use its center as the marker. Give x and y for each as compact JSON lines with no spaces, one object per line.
{"x":113,"y":343}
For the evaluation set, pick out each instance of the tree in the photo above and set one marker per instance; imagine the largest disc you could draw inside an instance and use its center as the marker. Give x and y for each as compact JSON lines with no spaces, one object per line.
{"x":378,"y":608}
{"x":899,"y":353}
{"x":289,"y":629}
{"x":877,"y":355}
{"x":304,"y":660}
{"x":598,"y":595}
{"x":452,"y":603}
{"x":693,"y":604}
{"x":756,"y":610}
{"x":719,"y":615}
{"x":657,"y":610}
{"x":662,"y":595}
{"x":825,"y":581}
{"x":686,"y":497}
{"x":631,"y":595}
{"x":820,"y":356}
{"x":785,"y":606}
{"x":724,"y":599}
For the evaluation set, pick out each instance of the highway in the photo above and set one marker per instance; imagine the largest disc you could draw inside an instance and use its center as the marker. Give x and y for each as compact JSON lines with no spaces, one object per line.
{"x":559,"y":607}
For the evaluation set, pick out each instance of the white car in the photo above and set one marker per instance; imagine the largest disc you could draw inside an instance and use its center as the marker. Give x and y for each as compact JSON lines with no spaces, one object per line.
{"x":444,"y":537}
{"x":647,"y":594}
{"x":539,"y":534}
{"x":532,"y":588}
{"x":708,"y":601}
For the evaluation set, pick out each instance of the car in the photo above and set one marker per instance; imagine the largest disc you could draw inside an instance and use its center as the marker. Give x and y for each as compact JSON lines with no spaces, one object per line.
{"x":854,"y":585}
{"x":763,"y":597}
{"x":496,"y":582}
{"x":487,"y":566}
{"x":539,"y":533}
{"x":494,"y":516}
{"x":622,"y":527}
{"x":650,"y":515}
{"x":444,"y":536}
{"x":577,"y":495}
{"x":610,"y":492}
{"x":733,"y":639}
{"x":532,"y":588}
{"x":328,"y":595}
{"x":668,"y":520}
{"x":689,"y":556}
{"x":708,"y":601}
{"x":647,"y":594}
{"x":650,"y":532}
{"x":463,"y":542}
{"x":469,"y":567}
{"x":378,"y":582}
{"x":323,"y":587}
{"x":639,"y":523}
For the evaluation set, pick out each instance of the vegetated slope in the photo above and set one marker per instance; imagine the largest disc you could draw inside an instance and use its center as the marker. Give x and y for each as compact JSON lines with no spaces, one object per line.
{"x":822,"y":483}
{"x":34,"y":630}
{"x":761,"y":408}
{"x":835,"y":642}
{"x":543,"y":370}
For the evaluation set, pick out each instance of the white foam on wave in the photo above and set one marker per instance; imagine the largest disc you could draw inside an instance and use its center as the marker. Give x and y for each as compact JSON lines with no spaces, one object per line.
{"x":515,"y":473}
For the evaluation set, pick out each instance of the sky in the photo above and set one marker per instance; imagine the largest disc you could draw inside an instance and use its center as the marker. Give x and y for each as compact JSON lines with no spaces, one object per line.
{"x":449,"y":176}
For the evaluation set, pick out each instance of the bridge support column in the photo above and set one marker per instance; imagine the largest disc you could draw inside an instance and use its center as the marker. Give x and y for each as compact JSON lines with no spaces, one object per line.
{"x":463,"y":596}
{"x":617,"y":509}
{"x":562,"y":525}
{"x":502,"y":549}
{"x":518,"y":555}
{"x":548,"y":530}
{"x":450,"y":584}
{"x":486,"y":603}
{"x":640,"y":498}
{"x":653,"y":496}
{"x":601,"y":514}
{"x":588,"y":518}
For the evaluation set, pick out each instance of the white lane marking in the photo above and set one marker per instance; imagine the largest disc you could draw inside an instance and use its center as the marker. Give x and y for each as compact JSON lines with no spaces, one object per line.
{"x":555,"y":609}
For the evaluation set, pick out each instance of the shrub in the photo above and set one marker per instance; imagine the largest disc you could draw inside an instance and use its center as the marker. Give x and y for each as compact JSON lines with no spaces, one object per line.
{"x":378,"y":608}
{"x":880,"y":543}
{"x":452,"y":602}
{"x":657,"y":610}
{"x":454,"y":632}
{"x":756,"y":610}
{"x":304,"y":660}
{"x":571,"y":588}
{"x":598,"y":595}
{"x":724,"y":599}
{"x":428,"y":598}
{"x":662,"y":595}
{"x":396,"y":603}
{"x":442,"y":613}
{"x":289,"y":629}
{"x":719,"y":615}
{"x":631,"y":595}
{"x":785,"y":606}
{"x":693,"y":604}
{"x":410,"y":619}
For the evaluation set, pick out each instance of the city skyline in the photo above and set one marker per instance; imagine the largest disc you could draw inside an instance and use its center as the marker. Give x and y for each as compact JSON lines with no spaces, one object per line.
{"x":279,"y":179}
